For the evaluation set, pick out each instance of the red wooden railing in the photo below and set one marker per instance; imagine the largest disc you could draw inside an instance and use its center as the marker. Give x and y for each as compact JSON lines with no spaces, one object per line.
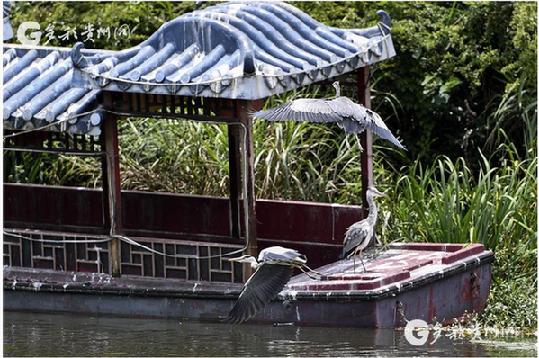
{"x":317,"y":229}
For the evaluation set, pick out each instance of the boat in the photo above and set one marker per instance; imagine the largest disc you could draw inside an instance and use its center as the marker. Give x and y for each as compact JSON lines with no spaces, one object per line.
{"x":118,"y":252}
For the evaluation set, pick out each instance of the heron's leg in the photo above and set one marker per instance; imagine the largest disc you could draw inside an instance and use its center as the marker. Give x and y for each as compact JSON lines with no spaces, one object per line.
{"x":312,"y":274}
{"x":361,"y":258}
{"x":316,"y":273}
{"x":376,"y":239}
{"x":354,"y":262}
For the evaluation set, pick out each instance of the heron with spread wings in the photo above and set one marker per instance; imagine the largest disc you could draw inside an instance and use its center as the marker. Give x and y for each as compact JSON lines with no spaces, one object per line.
{"x":274,"y":268}
{"x":351,"y":116}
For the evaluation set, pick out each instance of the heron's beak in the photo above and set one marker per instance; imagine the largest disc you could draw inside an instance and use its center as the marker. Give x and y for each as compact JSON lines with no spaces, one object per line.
{"x":242,"y":259}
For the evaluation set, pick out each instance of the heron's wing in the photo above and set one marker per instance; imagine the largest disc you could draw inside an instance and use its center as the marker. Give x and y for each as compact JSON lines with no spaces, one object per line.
{"x":302,"y":110}
{"x":357,"y":118}
{"x":378,"y":127}
{"x":355,"y":236}
{"x":262,"y":287}
{"x":279,"y":253}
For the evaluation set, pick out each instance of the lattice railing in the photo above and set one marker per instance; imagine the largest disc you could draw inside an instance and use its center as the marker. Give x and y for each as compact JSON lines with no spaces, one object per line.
{"x":187,"y":260}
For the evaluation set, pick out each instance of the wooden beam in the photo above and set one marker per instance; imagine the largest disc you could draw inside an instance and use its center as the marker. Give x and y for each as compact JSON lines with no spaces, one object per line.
{"x":234,"y":168}
{"x":364,"y":97}
{"x":248,"y":177}
{"x":113,"y":187}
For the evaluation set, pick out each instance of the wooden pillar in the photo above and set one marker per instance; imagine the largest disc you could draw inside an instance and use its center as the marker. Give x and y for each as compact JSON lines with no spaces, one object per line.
{"x":234,"y":168}
{"x":104,"y":184}
{"x":364,"y":97}
{"x":248,"y":180}
{"x":112,"y":186}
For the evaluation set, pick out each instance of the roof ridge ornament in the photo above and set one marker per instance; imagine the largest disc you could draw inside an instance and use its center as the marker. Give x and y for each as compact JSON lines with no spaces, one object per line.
{"x":385,"y":21}
{"x":76,"y":55}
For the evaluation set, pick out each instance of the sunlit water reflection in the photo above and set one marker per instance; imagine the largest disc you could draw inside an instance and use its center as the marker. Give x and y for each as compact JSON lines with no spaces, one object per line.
{"x":33,"y":334}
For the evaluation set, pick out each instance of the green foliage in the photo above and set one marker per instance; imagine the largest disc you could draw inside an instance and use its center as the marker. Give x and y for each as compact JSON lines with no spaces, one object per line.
{"x":38,"y":168}
{"x":512,"y":300}
{"x":179,"y":157}
{"x":445,"y":203}
{"x":454,"y":63}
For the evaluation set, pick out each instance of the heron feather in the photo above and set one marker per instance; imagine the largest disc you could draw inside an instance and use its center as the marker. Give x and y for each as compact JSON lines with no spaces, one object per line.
{"x":267,"y":281}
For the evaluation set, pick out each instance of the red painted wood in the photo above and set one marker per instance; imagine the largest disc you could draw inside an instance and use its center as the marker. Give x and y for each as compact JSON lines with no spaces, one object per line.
{"x":428,"y":246}
{"x":234,"y":169}
{"x":393,"y":266}
{"x":248,"y":177}
{"x":176,"y":213}
{"x":58,"y":206}
{"x":473,"y":249}
{"x":344,"y":282}
{"x":315,"y":229}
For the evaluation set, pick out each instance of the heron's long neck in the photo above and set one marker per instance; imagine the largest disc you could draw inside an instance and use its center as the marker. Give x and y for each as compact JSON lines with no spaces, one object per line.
{"x":373,"y":210}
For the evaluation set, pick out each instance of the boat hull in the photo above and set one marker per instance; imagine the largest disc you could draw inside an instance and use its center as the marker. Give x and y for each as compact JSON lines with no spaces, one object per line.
{"x":440,"y":300}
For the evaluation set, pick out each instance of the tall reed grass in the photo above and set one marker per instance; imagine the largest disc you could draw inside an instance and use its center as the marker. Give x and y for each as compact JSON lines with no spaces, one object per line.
{"x":446,"y":203}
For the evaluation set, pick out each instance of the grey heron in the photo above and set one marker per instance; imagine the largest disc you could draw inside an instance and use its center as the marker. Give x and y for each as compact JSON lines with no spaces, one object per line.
{"x":274,"y":268}
{"x":359,"y":234}
{"x":352,"y":117}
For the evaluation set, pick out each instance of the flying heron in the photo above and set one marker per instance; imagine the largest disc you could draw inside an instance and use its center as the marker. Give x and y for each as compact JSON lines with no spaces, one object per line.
{"x":352,"y":117}
{"x":274,"y":268}
{"x":359,"y":234}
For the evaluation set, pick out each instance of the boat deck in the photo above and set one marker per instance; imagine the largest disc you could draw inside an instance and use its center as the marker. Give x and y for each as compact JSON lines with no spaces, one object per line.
{"x":398,"y":267}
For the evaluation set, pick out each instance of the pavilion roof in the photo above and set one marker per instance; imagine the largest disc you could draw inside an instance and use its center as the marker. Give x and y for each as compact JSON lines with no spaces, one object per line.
{"x":234,"y":50}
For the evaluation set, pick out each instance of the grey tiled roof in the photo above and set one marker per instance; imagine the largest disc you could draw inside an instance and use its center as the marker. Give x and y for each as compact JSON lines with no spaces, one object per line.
{"x":232,"y":50}
{"x":43,"y":89}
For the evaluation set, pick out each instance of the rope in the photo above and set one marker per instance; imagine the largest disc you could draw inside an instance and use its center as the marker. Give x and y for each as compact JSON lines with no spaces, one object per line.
{"x":134,"y":243}
{"x":122,"y":238}
{"x":51,"y":151}
{"x":304,"y":268}
{"x":95,"y":241}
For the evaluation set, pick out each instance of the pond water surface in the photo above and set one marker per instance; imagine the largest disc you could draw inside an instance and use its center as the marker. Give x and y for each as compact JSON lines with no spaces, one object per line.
{"x":37,"y":334}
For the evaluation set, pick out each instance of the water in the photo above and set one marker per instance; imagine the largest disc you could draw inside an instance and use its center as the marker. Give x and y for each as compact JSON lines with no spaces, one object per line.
{"x":32,"y":334}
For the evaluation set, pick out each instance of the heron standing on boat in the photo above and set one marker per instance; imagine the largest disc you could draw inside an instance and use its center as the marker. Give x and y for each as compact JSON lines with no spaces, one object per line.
{"x":274,"y":268}
{"x":359,"y":234}
{"x":351,"y":116}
